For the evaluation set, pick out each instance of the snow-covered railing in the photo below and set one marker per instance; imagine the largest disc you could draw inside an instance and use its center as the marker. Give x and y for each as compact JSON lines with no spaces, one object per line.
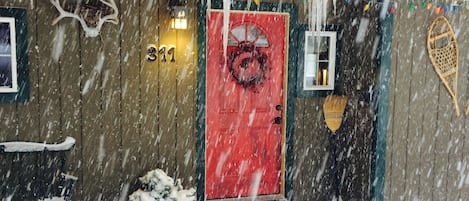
{"x":35,"y":171}
{"x":19,"y":146}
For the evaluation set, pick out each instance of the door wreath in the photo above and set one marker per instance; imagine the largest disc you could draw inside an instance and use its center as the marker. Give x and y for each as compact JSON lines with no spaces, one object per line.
{"x":248,"y":65}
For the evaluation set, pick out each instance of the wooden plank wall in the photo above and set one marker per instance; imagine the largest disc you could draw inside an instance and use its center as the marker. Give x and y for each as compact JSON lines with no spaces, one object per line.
{"x":314,"y":174}
{"x":128,"y":115}
{"x":427,"y":144}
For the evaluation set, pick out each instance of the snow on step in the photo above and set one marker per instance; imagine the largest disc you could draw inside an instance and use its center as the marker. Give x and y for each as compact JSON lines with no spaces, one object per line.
{"x":54,"y":199}
{"x":19,"y":146}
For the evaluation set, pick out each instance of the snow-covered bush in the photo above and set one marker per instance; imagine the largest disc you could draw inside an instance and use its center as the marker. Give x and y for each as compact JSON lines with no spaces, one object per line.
{"x":161,"y":187}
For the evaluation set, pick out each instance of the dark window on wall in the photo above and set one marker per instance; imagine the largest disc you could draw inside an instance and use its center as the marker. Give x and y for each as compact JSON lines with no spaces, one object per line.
{"x":14,"y":78}
{"x":7,"y":67}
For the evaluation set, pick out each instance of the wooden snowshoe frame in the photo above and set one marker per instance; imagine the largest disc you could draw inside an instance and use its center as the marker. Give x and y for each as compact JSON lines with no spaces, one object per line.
{"x":443,"y":52}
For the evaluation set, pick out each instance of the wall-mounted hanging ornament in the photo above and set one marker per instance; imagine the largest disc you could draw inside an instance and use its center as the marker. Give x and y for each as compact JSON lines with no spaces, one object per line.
{"x":247,"y":65}
{"x":91,"y":15}
{"x":443,"y":51}
{"x":247,"y":56}
{"x":334,"y":107}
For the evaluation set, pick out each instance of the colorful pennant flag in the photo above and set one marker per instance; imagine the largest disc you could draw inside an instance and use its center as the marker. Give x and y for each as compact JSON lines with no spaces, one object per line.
{"x":257,"y":2}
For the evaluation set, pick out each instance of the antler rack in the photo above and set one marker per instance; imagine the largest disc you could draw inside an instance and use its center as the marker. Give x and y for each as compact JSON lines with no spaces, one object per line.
{"x":90,"y":31}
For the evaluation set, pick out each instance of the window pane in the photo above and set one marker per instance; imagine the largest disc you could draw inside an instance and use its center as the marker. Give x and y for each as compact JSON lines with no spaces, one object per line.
{"x":318,"y":44}
{"x":239,"y":32}
{"x":309,"y":81}
{"x":5,"y":42}
{"x":323,"y":73}
{"x":5,"y":72}
{"x":311,"y":62}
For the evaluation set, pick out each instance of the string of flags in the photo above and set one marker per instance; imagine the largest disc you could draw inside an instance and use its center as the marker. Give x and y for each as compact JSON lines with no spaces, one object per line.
{"x":440,"y":6}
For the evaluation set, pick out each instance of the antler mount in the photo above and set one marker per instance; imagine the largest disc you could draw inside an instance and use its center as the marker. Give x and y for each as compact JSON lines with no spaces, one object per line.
{"x":91,"y":16}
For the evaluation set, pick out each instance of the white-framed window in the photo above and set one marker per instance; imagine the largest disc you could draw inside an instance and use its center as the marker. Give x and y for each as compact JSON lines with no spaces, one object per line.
{"x":8,"y":65}
{"x":319,"y":60}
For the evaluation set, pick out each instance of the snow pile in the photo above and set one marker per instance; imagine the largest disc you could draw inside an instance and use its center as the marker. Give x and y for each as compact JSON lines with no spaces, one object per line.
{"x":161,"y":187}
{"x":7,"y":198}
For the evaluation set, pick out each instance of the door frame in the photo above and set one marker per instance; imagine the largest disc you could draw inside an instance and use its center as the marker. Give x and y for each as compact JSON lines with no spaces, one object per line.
{"x":290,"y":84}
{"x":385,"y":31}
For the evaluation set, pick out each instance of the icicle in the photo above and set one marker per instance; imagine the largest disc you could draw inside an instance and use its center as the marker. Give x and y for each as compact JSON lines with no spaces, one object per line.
{"x":226,"y":20}
{"x":324,"y":12}
{"x":305,"y":9}
{"x":335,"y":6}
{"x":317,"y":14}
{"x":310,"y":16}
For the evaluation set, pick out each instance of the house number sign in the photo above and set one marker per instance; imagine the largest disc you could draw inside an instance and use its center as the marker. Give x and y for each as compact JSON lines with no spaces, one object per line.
{"x":152,"y":53}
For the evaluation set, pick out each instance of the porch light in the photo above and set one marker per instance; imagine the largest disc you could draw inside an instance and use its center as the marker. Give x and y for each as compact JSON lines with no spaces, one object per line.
{"x":179,"y":15}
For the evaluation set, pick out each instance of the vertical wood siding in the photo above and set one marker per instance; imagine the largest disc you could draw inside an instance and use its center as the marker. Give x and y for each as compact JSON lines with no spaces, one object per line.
{"x":427,"y":144}
{"x":314,"y":173}
{"x":128,"y":115}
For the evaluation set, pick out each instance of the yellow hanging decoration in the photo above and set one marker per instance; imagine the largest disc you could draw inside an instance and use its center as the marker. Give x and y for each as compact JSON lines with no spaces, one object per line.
{"x":257,"y":2}
{"x":333,"y":109}
{"x":367,"y":7}
{"x":467,"y":7}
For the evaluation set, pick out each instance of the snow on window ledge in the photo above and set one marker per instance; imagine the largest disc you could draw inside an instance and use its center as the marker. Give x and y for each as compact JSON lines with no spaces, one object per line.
{"x":19,"y":146}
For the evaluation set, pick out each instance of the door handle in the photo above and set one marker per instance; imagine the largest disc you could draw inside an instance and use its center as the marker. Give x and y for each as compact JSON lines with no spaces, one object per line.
{"x":278,"y":120}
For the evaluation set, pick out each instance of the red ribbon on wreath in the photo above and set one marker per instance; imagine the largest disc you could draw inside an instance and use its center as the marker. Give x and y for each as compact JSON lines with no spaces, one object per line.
{"x":248,"y":65}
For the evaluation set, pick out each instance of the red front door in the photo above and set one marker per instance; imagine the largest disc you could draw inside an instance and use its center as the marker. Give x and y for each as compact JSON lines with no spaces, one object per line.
{"x":245,"y":104}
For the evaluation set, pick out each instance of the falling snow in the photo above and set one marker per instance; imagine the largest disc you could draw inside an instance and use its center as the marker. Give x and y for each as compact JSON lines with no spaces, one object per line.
{"x":116,"y":105}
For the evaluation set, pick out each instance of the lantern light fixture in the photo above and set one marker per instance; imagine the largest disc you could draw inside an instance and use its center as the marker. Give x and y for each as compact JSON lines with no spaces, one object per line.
{"x":179,"y":15}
